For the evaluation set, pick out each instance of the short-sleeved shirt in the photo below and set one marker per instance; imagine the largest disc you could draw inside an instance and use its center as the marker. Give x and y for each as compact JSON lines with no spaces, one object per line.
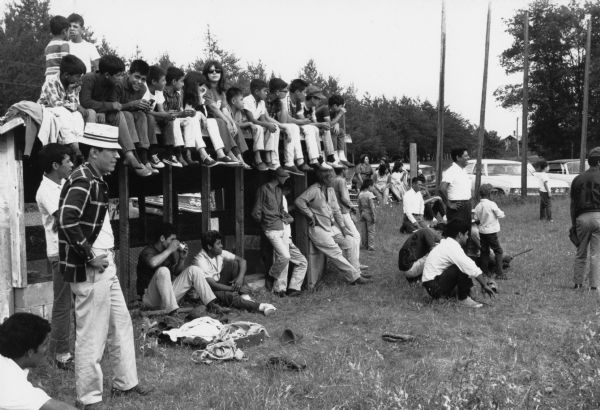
{"x":158,"y":97}
{"x":212,"y":267}
{"x":17,"y":392}
{"x":294,"y":109}
{"x":84,"y":51}
{"x":487,"y":212}
{"x":459,"y":183}
{"x":448,"y":253}
{"x":54,"y":52}
{"x":257,"y":109}
{"x":418,"y":244}
{"x":364,"y":201}
{"x":309,"y":113}
{"x":47,"y":198}
{"x":542,"y":177}
{"x":145,"y":272}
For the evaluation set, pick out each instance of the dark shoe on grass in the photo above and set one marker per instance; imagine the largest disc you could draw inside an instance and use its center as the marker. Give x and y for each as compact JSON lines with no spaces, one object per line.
{"x":137,"y":389}
{"x":281,"y":294}
{"x":212,"y":307}
{"x":293,"y":293}
{"x":360,"y":281}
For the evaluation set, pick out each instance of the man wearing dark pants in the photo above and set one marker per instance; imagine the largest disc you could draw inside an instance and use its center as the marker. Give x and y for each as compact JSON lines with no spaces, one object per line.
{"x":585,"y":219}
{"x":455,"y":188}
{"x":448,"y":267}
{"x":56,"y":163}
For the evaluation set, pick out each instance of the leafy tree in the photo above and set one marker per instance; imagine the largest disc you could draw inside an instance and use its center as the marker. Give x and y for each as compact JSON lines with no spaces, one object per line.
{"x":311,"y":75}
{"x":164,"y":61}
{"x":105,"y":49}
{"x":22,"y":42}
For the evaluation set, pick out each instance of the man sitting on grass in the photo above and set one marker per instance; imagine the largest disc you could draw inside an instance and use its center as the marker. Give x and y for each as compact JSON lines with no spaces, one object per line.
{"x":165,"y":259}
{"x":23,"y":343}
{"x":448,"y":267}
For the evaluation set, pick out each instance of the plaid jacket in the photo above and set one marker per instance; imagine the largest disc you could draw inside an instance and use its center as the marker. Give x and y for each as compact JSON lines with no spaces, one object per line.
{"x":82,"y":208}
{"x":54,"y":94}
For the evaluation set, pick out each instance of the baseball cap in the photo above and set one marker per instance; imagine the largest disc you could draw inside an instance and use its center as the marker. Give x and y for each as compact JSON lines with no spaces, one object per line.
{"x":314,"y":91}
{"x":594,"y":153}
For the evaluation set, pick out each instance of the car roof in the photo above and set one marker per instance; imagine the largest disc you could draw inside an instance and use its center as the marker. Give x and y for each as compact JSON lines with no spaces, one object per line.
{"x":563,"y":161}
{"x":493,"y":161}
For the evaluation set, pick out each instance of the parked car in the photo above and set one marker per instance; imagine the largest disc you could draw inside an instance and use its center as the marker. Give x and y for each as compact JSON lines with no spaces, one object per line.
{"x":565,"y":169}
{"x":505,"y":177}
{"x":427,"y":170}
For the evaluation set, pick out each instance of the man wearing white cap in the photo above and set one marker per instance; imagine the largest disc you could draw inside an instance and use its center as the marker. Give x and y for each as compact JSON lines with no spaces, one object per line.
{"x":86,"y":243}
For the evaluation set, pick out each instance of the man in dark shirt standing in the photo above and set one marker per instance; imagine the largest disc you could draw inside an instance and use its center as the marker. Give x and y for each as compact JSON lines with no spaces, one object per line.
{"x":270,"y":213}
{"x":585,"y":219}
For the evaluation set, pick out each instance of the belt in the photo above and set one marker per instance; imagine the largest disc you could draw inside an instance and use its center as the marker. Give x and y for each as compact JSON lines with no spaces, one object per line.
{"x":460,"y":201}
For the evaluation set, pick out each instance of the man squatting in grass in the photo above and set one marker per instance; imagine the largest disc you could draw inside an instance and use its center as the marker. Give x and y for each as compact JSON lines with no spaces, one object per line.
{"x":447,"y":267}
{"x":455,"y":188}
{"x":269,"y":212}
{"x":327,"y":229}
{"x":164,"y":260}
{"x":414,"y":251}
{"x":56,"y":163}
{"x":23,"y":343}
{"x":86,"y":243}
{"x":585,"y":220}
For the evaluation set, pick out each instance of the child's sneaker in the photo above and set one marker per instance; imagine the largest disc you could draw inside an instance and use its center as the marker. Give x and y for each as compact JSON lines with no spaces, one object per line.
{"x":227,"y":162}
{"x":156,"y":162}
{"x":172,"y":161}
{"x":267,"y":308}
{"x":261,"y":166}
{"x":209,"y":162}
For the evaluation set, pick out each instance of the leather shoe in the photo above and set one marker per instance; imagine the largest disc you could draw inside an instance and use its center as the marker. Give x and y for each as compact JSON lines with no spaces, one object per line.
{"x":360,"y":281}
{"x":137,"y":389}
{"x":293,"y":293}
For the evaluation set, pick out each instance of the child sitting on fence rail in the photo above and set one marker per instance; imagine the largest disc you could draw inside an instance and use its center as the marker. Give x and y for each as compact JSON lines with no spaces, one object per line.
{"x":98,"y":93}
{"x":60,"y":94}
{"x":194,"y":89}
{"x":332,"y":113}
{"x":246,"y":128}
{"x":278,"y":110}
{"x":256,"y":111}
{"x":186,"y":126}
{"x":131,"y":89}
{"x":58,"y":47}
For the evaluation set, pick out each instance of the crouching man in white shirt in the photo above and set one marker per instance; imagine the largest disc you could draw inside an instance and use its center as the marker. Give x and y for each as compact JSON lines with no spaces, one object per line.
{"x":23,"y":344}
{"x":448,"y":267}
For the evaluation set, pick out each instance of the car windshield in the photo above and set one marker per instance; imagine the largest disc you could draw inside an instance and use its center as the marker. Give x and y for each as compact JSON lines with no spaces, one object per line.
{"x":573,"y":167}
{"x":555,"y":168}
{"x":504,"y":169}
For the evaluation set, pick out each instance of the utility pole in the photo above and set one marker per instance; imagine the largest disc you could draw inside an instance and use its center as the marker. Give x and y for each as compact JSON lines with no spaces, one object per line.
{"x":586,"y":86}
{"x":483,"y":100}
{"x":440,"y":119}
{"x":525,"y":104}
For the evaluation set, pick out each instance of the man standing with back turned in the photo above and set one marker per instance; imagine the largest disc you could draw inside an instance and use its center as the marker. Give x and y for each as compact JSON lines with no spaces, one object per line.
{"x":585,"y":219}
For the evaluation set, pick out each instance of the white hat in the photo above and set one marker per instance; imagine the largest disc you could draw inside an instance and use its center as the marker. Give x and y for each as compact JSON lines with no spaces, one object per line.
{"x":101,"y":136}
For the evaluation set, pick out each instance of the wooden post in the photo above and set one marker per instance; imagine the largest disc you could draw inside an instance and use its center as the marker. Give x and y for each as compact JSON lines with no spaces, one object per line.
{"x":124,"y":272}
{"x":239,"y":211}
{"x":586,"y":87}
{"x":167,"y":183}
{"x":517,"y":136}
{"x":525,"y":104}
{"x":413,"y":160}
{"x":481,"y":135}
{"x":440,"y":120}
{"x":205,"y":197}
{"x":13,"y":260}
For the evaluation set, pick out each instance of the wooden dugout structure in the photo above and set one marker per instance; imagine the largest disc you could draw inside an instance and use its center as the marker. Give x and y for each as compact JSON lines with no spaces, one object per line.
{"x":226,"y":199}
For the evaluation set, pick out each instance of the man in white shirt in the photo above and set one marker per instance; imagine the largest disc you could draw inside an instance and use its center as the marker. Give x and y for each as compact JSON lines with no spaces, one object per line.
{"x":80,"y":48}
{"x":447,"y":267}
{"x":455,"y":187}
{"x":56,"y":164}
{"x":413,"y":207}
{"x":23,"y":343}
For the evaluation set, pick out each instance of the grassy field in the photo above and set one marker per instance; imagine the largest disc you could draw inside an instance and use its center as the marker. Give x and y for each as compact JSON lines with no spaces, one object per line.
{"x":534,"y":346}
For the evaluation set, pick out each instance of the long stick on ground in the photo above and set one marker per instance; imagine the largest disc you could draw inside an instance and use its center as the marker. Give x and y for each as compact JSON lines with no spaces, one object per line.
{"x":440,"y":122}
{"x":483,"y":101}
{"x":525,"y":104}
{"x":586,"y":86}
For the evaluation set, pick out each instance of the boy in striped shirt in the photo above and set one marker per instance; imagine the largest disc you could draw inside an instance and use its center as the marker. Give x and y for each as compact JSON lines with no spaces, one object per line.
{"x":58,"y":47}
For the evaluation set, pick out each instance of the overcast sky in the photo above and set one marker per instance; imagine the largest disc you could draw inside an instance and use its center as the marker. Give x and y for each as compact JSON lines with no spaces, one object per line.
{"x":389,"y":47}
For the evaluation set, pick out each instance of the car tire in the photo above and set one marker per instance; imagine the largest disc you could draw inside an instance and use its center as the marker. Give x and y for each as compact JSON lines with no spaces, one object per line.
{"x":497,"y":193}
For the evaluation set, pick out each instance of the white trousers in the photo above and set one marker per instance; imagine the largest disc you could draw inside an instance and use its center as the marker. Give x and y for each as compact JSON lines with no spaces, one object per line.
{"x":284,"y":252}
{"x":101,"y":316}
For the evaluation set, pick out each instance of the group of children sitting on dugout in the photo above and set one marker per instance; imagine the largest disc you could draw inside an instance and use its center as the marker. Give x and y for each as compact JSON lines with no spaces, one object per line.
{"x":162,"y":116}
